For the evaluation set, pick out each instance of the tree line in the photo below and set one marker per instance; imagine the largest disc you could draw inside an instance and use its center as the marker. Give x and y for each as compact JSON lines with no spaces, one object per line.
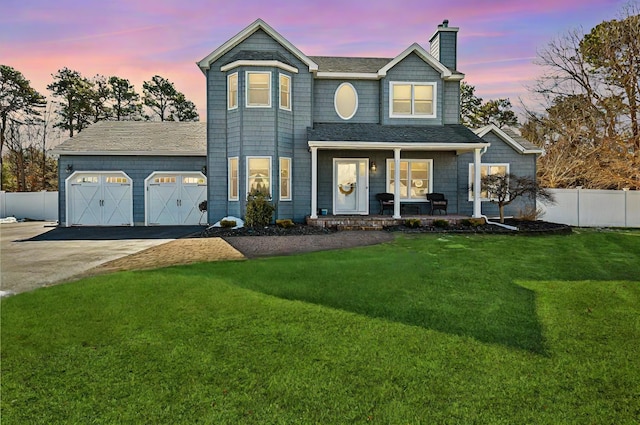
{"x":590,"y":93}
{"x":28,"y":122}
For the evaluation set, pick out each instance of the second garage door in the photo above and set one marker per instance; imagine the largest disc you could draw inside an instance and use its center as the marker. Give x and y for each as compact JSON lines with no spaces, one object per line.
{"x":173,"y":198}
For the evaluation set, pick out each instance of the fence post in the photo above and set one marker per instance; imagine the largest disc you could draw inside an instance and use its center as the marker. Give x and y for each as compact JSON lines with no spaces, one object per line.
{"x":578,"y":189}
{"x":626,"y":206}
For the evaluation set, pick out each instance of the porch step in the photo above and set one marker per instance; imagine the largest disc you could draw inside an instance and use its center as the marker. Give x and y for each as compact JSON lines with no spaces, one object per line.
{"x":371,"y":226}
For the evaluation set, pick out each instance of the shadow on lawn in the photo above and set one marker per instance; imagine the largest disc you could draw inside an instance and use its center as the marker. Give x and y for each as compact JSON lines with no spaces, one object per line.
{"x":491,"y":312}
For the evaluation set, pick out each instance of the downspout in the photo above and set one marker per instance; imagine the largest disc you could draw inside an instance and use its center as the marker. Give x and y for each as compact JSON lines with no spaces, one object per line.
{"x":486,"y":219}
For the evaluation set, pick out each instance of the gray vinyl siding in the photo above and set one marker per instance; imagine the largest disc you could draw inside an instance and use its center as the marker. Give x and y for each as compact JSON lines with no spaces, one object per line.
{"x":368,"y":101}
{"x":245,"y":132}
{"x":451,"y":102}
{"x":412,"y":69}
{"x":138,"y":168}
{"x":502,"y":153}
{"x":447,"y":46}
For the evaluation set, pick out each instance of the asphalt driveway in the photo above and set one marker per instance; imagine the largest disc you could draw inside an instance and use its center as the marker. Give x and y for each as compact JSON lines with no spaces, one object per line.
{"x":36,"y":254}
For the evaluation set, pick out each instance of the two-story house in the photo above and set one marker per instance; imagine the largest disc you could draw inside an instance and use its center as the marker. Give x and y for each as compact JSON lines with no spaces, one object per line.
{"x":324,"y":133}
{"x":320,"y":134}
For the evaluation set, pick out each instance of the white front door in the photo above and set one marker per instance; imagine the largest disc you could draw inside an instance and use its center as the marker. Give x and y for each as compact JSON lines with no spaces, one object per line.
{"x":351,"y":186}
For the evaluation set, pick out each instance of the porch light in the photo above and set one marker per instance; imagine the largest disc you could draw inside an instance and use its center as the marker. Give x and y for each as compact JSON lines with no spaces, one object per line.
{"x":69,"y":168}
{"x":204,"y":170}
{"x":373,"y":166}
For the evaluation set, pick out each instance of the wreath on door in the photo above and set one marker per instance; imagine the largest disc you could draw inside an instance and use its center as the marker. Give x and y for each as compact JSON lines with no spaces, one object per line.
{"x":347,"y":189}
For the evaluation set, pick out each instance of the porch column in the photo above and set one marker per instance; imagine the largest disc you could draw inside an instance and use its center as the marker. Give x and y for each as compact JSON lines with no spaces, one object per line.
{"x":396,"y":183}
{"x":477,"y":210}
{"x":314,"y":182}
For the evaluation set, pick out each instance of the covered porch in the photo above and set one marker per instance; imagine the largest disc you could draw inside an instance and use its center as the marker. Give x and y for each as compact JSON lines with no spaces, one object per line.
{"x":356,"y":147}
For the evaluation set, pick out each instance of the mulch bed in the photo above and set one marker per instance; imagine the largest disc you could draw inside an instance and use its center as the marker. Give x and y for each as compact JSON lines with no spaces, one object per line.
{"x":524,"y":226}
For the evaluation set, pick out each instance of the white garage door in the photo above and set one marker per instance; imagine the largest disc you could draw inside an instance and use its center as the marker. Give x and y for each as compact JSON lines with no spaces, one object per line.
{"x":99,"y":199}
{"x":173,"y":198}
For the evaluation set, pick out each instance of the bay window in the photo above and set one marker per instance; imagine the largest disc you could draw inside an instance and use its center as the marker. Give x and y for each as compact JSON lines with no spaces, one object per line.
{"x":258,"y":89}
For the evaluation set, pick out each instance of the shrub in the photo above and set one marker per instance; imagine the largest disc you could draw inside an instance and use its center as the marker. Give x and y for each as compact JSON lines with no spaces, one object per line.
{"x":413,"y":223}
{"x":530,"y":213}
{"x":259,"y":209}
{"x":285,"y":223}
{"x":228,"y":223}
{"x":472,"y":222}
{"x":440,"y":223}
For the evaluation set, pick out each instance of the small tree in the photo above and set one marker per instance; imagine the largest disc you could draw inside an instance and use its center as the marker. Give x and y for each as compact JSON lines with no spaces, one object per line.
{"x":503,"y":189}
{"x":259,"y":209}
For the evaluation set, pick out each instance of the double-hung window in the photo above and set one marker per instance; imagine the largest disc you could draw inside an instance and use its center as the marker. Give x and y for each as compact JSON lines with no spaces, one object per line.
{"x":232,"y":91}
{"x":415,"y":178}
{"x":259,"y":174}
{"x":285,"y":179}
{"x":258,"y":89}
{"x":233,"y":179}
{"x":486,"y":169}
{"x":285,"y":92}
{"x":412,"y":100}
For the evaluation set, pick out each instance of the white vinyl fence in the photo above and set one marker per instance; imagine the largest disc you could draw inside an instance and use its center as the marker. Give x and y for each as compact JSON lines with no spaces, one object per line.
{"x":594,"y":208}
{"x":30,"y":205}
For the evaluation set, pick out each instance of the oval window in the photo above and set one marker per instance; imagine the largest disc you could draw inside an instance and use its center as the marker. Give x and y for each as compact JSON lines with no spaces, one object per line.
{"x":346,"y":101}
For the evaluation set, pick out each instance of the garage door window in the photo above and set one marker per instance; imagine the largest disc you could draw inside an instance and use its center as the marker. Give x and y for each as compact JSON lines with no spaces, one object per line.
{"x":192,"y":180}
{"x":167,"y":179}
{"x":87,"y":179}
{"x":120,"y":180}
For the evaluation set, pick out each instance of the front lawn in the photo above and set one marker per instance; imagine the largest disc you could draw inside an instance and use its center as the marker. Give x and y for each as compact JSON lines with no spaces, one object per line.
{"x":430,"y":329}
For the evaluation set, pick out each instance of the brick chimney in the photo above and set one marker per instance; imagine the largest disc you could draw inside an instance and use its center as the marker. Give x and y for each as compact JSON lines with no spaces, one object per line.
{"x":444,"y":45}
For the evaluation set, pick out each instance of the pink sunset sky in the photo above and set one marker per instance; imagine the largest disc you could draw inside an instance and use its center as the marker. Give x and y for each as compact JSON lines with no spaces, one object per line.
{"x":497,"y":41}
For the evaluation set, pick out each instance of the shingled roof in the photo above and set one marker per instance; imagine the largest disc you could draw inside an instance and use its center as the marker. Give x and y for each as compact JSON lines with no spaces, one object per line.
{"x":138,"y":138}
{"x":349,"y":64}
{"x":453,"y":133}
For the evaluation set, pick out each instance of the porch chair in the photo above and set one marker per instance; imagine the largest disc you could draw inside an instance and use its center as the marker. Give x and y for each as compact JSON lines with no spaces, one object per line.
{"x":437,"y":201}
{"x":386,"y":201}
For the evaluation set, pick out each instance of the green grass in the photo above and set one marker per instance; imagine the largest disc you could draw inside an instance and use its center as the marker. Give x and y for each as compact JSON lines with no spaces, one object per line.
{"x":428,"y":329}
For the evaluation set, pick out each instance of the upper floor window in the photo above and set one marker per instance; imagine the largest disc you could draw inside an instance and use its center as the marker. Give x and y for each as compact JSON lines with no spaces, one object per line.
{"x":412,"y":100}
{"x":258,"y":89}
{"x":486,"y":169}
{"x":346,"y":101}
{"x":285,"y":92}
{"x":232,"y":91}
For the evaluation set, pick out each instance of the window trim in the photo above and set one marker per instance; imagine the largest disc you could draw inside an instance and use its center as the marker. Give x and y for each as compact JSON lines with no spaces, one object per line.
{"x":413,"y":115}
{"x":429,"y":189}
{"x":288,"y":178}
{"x":247,"y":88}
{"x":484,"y":164}
{"x":247,"y":169}
{"x":235,"y":99}
{"x":335,"y":101}
{"x":230,"y":187}
{"x":280,"y":77}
